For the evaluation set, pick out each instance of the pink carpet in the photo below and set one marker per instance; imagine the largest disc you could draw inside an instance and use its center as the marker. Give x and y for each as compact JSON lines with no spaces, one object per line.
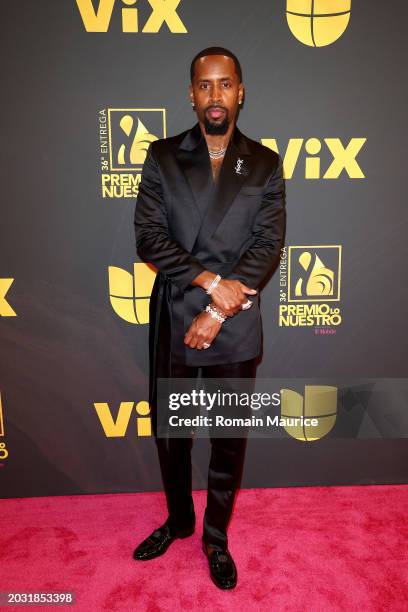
{"x":296,"y":549}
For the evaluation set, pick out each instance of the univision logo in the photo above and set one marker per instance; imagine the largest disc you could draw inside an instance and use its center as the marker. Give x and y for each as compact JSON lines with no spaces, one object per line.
{"x":130,"y":293}
{"x":319,"y":403}
{"x":318,"y":23}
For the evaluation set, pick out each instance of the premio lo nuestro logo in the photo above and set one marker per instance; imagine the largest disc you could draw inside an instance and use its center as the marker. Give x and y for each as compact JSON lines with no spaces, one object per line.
{"x":310,"y":282}
{"x":124,"y":137}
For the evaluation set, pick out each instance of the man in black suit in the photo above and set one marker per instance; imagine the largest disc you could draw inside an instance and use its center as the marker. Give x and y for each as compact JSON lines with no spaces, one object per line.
{"x":210,"y":216}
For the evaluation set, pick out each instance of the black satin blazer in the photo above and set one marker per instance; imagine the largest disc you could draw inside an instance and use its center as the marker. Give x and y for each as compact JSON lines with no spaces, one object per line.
{"x":184,"y":226}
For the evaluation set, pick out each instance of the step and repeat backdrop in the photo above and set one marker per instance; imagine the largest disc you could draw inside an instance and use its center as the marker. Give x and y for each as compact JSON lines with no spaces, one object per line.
{"x":86,"y":86}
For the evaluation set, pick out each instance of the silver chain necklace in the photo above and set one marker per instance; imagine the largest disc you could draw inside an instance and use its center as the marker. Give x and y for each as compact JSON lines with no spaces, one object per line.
{"x":217,"y":154}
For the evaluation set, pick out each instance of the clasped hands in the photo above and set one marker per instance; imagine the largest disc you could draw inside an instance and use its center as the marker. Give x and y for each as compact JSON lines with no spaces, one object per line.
{"x":227,"y":298}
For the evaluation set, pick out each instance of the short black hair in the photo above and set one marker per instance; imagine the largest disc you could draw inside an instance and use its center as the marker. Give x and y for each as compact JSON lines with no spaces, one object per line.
{"x":216,"y":51}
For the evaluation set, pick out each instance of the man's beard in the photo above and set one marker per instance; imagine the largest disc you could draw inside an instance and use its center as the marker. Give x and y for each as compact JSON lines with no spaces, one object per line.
{"x":220,"y":128}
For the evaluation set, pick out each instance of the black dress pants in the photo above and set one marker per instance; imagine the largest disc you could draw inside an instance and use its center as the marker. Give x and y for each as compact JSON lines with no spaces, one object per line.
{"x":225,"y":468}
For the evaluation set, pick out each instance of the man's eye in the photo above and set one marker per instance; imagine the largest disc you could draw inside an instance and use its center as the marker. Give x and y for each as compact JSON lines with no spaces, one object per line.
{"x":227,"y":84}
{"x":204,"y":86}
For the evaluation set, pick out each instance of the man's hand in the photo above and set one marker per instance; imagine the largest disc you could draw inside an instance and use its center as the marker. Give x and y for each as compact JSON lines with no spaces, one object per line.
{"x":203,"y":329}
{"x":229,"y":295}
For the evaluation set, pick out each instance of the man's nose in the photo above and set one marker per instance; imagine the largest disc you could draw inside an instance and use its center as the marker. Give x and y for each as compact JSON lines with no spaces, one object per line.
{"x":215,"y":94}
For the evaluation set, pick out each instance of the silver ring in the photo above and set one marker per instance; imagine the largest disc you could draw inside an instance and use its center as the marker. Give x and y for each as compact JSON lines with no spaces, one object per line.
{"x":206,"y":345}
{"x":246,"y":305}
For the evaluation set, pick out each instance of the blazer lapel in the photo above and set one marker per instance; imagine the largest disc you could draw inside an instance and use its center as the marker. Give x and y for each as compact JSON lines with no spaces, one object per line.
{"x":192,"y":156}
{"x":234,"y":172}
{"x":193,"y":159}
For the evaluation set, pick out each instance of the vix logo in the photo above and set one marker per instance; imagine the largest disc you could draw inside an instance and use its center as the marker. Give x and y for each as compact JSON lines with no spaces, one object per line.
{"x":118,"y":428}
{"x":163,"y":12}
{"x":5,"y":308}
{"x":319,"y":402}
{"x":344,"y":158}
{"x":317,"y":23}
{"x":130,"y":293}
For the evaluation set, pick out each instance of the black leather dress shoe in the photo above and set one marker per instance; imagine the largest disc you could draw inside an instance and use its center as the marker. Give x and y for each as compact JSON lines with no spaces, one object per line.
{"x":158,"y":542}
{"x":223,"y":571}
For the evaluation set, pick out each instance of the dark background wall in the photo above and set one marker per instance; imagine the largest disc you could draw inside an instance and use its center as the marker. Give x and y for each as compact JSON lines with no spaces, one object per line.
{"x":67,"y":349}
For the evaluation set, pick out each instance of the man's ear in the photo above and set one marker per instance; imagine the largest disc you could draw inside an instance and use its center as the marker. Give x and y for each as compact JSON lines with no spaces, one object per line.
{"x":241,"y":92}
{"x":190,"y":93}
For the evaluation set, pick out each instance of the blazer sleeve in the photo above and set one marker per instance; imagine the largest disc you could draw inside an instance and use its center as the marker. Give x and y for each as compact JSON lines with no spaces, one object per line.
{"x":153,"y":242}
{"x":268,"y":231}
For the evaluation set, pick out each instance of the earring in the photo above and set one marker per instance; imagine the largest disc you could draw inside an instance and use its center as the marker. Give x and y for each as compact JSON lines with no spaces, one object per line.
{"x":192,"y":104}
{"x":240,"y":102}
